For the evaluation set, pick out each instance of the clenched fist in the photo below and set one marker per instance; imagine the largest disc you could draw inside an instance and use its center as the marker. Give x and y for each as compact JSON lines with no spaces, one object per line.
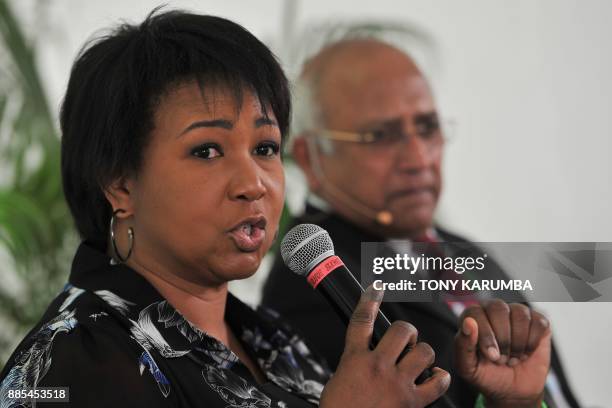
{"x":504,"y":350}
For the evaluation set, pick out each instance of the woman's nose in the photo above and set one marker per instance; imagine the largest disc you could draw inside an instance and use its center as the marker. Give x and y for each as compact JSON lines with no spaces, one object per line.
{"x":247,"y":183}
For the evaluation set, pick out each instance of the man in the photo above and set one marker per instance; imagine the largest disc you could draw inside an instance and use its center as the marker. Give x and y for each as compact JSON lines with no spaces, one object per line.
{"x":368,"y":139}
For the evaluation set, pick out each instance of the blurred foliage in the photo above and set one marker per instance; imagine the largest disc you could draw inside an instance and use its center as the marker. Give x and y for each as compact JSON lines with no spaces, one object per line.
{"x":35,"y":224}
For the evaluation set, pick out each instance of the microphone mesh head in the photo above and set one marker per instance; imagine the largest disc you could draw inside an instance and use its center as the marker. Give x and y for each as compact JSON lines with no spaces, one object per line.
{"x":304,"y":246}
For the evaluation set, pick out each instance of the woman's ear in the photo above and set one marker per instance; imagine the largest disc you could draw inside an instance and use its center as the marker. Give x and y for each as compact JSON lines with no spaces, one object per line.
{"x":120,"y":195}
{"x":301,"y":155}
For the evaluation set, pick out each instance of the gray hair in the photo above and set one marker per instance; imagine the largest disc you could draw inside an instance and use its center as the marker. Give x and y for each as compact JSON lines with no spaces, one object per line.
{"x":307,"y":116}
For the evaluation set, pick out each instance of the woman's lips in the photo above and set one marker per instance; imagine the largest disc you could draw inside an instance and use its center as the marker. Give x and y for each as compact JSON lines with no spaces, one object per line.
{"x":248,"y":237}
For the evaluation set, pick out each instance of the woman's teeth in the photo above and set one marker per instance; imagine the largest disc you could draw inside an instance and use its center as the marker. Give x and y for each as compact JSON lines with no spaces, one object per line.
{"x":248,"y":237}
{"x":247,"y":229}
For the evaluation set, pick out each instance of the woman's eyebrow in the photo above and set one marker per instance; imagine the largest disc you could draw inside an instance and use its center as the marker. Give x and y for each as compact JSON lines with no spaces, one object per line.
{"x":264,"y":121}
{"x":219,"y":123}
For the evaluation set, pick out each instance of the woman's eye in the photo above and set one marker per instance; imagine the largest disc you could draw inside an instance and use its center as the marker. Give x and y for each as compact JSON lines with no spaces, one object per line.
{"x":267,"y":149}
{"x":208,"y":151}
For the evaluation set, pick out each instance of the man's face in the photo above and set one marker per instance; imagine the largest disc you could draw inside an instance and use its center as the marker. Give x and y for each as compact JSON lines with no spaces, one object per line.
{"x":382,"y":91}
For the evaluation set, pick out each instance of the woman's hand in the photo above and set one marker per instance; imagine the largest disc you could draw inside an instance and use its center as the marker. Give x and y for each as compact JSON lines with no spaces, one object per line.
{"x":504,"y":351}
{"x":374,"y":378}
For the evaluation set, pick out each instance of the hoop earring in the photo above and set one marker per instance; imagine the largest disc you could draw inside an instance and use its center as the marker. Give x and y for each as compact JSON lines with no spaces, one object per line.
{"x":112,"y":237}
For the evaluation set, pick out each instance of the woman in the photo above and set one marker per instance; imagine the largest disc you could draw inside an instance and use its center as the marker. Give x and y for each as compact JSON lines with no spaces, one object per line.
{"x":171,"y":168}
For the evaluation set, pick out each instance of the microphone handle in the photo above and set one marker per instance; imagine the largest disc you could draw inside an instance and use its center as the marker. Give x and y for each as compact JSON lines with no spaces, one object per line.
{"x":343,"y":301}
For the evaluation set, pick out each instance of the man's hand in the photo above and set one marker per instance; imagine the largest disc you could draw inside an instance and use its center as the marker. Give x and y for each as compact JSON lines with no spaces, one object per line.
{"x":504,"y":351}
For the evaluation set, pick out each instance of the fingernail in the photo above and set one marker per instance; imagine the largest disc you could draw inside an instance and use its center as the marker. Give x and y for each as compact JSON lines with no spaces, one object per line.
{"x":503,"y":359}
{"x":493,"y":353}
{"x":524,"y":357}
{"x":465,"y":328}
{"x":373,"y":294}
{"x":513,"y":361}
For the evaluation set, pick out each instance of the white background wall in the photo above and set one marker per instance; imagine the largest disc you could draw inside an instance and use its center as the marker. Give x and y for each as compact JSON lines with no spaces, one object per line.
{"x":529,"y":84}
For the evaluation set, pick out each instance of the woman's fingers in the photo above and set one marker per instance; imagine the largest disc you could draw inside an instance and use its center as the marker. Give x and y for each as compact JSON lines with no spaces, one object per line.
{"x":359,"y":330}
{"x":416,"y":361}
{"x":435,"y":386}
{"x":366,"y":372}
{"x":400,"y":335}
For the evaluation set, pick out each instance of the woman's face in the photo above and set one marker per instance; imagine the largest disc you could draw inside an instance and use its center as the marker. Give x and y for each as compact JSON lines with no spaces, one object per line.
{"x":208,"y":198}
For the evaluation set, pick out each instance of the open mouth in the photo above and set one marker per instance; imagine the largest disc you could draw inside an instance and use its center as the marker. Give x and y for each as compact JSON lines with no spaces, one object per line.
{"x":249,"y":234}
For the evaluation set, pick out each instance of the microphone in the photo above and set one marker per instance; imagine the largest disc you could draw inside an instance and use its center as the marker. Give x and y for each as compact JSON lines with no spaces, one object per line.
{"x":307,"y":250}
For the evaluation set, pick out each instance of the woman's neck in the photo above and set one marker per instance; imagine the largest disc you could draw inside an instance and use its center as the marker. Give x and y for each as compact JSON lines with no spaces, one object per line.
{"x":202,"y":306}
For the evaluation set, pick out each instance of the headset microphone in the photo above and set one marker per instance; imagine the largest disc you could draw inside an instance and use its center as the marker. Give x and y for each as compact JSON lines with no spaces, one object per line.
{"x":383,"y":217}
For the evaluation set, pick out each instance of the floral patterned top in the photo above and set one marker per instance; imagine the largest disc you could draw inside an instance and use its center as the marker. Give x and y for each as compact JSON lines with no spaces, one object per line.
{"x":116,"y":342}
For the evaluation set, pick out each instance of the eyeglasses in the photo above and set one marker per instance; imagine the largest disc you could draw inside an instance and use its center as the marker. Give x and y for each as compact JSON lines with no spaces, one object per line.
{"x":428,"y":128}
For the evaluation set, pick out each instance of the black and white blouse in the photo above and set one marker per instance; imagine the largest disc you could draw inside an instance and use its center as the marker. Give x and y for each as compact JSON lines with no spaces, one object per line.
{"x":114,"y":341}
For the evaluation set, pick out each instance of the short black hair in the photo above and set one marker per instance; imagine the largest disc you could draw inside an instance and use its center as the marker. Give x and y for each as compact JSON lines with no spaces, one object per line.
{"x":116,"y":82}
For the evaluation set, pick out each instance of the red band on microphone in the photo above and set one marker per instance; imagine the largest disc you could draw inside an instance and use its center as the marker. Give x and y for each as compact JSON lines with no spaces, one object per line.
{"x":323,"y":269}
